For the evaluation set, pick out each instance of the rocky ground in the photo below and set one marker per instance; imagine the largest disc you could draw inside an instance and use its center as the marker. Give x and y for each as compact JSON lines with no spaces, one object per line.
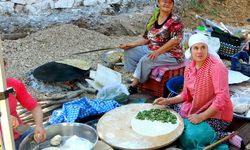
{"x":24,"y":55}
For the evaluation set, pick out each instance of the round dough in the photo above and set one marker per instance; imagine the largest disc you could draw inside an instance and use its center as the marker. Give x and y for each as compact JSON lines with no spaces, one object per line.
{"x":152,"y":128}
{"x":56,"y":140}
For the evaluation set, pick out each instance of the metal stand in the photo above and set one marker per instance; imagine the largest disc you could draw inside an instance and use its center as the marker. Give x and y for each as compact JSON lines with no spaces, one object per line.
{"x":7,"y":132}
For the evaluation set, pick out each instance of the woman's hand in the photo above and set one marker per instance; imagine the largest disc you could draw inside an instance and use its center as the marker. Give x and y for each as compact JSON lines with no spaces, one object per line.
{"x":14,"y":122}
{"x":39,"y":134}
{"x":153,"y":55}
{"x":126,"y":46}
{"x":195,"y":118}
{"x":161,"y":101}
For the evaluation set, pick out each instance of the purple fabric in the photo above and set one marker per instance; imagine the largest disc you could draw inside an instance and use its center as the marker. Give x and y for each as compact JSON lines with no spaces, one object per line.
{"x":158,"y":72}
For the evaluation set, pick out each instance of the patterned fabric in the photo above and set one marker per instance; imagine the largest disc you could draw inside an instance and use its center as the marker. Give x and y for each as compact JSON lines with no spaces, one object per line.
{"x":158,"y":37}
{"x":207,"y":87}
{"x":158,"y":72}
{"x":153,"y":19}
{"x":81,"y":108}
{"x":219,"y":126}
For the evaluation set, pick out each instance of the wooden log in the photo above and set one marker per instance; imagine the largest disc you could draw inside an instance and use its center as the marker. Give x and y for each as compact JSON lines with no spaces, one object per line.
{"x":64,"y":86}
{"x":54,"y":97}
{"x":45,"y":110}
{"x":74,"y":94}
{"x":21,"y":111}
{"x":24,"y":114}
{"x":88,"y":90}
{"x":45,"y":103}
{"x":67,"y":95}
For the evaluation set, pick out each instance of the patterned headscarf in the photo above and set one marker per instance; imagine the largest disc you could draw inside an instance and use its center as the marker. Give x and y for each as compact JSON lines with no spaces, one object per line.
{"x":154,"y":16}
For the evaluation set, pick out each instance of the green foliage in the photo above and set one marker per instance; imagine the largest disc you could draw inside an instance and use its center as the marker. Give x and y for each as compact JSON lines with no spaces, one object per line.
{"x":213,"y":12}
{"x":196,"y":5}
{"x":163,"y":116}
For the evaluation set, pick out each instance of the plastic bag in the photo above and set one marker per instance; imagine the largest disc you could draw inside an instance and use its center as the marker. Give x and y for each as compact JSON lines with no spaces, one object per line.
{"x":241,"y":101}
{"x":114,"y":91}
{"x":241,"y":97}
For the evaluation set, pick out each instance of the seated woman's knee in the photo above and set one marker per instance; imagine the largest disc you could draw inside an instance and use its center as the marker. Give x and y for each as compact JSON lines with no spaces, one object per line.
{"x":145,"y":59}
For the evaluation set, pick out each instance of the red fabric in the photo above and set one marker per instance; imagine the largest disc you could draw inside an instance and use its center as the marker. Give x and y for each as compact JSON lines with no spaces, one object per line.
{"x":22,"y":96}
{"x":158,"y":37}
{"x":207,"y":87}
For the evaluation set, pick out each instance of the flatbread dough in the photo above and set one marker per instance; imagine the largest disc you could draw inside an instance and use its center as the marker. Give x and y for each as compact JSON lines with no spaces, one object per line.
{"x":81,"y":64}
{"x":56,"y":140}
{"x":152,"y":128}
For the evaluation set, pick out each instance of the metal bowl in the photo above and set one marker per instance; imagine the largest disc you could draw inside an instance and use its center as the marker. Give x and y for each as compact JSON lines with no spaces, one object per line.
{"x":113,"y":56}
{"x":241,"y":117}
{"x":63,"y":129}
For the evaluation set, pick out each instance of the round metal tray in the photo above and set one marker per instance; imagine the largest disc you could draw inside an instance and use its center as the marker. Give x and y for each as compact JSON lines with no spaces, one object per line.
{"x":107,"y":55}
{"x":241,"y":117}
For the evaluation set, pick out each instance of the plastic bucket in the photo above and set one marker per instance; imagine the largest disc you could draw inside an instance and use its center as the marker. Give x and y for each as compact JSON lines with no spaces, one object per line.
{"x":174,"y":85}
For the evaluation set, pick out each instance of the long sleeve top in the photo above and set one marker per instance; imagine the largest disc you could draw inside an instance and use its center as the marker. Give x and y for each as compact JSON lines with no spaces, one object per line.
{"x":207,"y":87}
{"x":22,"y":96}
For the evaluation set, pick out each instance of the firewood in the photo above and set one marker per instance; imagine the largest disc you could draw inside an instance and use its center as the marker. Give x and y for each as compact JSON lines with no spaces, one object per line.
{"x":88,"y":90}
{"x":56,"y":97}
{"x":44,"y":103}
{"x":70,"y":94}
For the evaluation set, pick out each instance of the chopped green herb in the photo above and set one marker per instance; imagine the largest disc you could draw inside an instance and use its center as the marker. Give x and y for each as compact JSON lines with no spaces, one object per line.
{"x":163,"y":116}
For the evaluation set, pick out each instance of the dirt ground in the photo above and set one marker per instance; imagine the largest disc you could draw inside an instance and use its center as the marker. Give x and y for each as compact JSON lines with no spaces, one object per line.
{"x":230,"y":12}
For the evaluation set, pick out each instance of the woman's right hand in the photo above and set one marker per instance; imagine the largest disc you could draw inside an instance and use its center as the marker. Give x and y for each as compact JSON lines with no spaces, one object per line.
{"x":162,"y":101}
{"x":14,"y":122}
{"x":126,"y":46}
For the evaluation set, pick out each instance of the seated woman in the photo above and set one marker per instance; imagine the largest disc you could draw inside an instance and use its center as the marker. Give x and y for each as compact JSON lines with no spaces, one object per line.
{"x":205,"y":95}
{"x":27,"y":101}
{"x":160,"y":45}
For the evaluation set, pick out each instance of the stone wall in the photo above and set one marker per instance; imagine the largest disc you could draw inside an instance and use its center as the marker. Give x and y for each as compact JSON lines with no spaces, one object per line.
{"x":36,"y":7}
{"x":111,"y":17}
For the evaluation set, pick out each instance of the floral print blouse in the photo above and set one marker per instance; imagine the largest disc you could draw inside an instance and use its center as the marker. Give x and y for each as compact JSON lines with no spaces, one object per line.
{"x":159,"y":35}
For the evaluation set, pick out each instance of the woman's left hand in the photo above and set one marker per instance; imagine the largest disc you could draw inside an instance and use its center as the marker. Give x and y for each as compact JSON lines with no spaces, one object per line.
{"x":39,"y":134}
{"x":153,"y":55}
{"x":195,"y":118}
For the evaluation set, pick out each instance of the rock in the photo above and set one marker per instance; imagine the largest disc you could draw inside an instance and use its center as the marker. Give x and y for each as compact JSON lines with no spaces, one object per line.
{"x":114,"y":1}
{"x":78,"y":3}
{"x":39,"y":7}
{"x":6,"y":7}
{"x":31,"y":1}
{"x":23,"y":2}
{"x":93,"y":2}
{"x":64,"y":4}
{"x":248,"y":146}
{"x":19,"y":8}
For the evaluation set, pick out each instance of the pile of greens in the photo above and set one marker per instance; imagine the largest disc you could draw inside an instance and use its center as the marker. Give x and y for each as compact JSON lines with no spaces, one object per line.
{"x":163,"y":116}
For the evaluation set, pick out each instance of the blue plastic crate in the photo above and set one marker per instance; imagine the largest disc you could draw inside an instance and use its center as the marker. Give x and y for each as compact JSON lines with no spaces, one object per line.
{"x":174,"y":84}
{"x":240,"y":66}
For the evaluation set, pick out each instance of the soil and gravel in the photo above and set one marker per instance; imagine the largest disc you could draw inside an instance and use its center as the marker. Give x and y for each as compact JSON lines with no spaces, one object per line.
{"x":59,"y":42}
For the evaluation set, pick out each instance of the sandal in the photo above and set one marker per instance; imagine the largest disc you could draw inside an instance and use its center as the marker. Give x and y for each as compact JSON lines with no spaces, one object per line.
{"x":132,"y":90}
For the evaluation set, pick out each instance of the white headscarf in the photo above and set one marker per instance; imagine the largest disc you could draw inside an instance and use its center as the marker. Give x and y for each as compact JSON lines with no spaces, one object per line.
{"x":212,"y":43}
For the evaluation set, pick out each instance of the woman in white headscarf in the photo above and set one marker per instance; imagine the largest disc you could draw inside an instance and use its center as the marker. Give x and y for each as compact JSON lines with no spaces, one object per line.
{"x":205,"y":95}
